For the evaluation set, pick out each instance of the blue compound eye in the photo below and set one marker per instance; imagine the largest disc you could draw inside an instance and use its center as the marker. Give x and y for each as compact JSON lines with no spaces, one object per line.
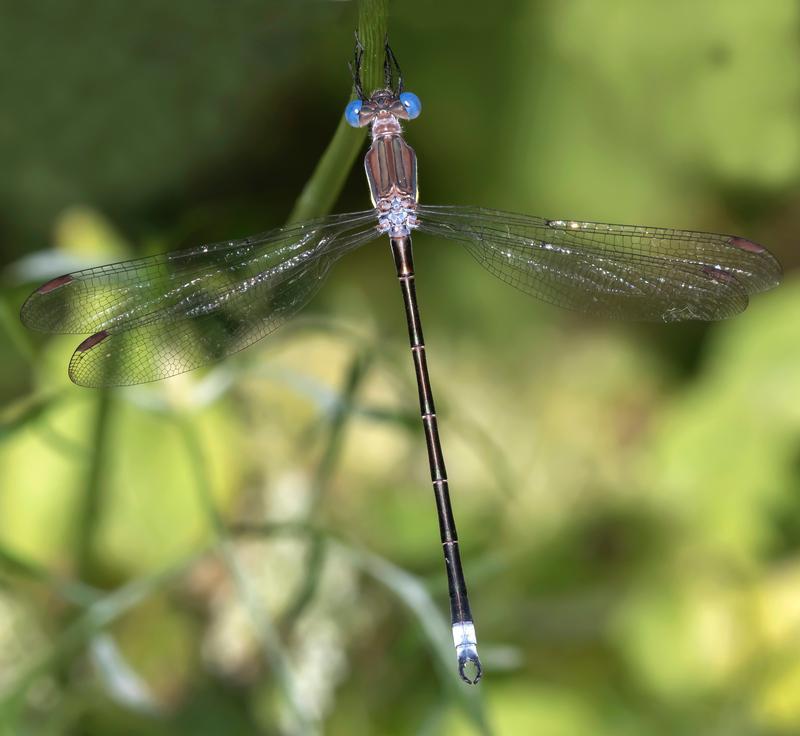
{"x":351,"y":113}
{"x":411,"y":103}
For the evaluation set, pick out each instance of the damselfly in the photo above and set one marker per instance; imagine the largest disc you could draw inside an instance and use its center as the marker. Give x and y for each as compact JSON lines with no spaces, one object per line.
{"x":166,"y":314}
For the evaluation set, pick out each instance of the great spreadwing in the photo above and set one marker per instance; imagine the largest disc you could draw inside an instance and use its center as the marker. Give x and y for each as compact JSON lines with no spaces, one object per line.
{"x":162,"y":315}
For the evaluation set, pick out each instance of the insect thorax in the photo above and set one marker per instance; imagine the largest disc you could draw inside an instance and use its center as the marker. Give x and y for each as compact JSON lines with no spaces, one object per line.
{"x":391,"y":167}
{"x":397,"y":214}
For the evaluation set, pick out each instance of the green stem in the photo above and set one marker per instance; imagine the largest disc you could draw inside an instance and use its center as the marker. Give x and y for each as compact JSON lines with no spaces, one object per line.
{"x":75,"y":592}
{"x":91,"y":508}
{"x":96,"y":617}
{"x":323,"y":188}
{"x":333,"y":449}
{"x":408,"y":589}
{"x":263,"y":627}
{"x":342,"y":412}
{"x":18,"y":337}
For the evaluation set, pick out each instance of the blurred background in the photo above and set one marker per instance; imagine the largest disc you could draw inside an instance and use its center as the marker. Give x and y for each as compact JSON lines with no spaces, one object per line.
{"x":253,"y":548}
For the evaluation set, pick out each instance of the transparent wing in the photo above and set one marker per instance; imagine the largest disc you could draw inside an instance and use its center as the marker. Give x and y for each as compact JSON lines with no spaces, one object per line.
{"x":166,"y":285}
{"x":623,"y":271}
{"x":166,"y":314}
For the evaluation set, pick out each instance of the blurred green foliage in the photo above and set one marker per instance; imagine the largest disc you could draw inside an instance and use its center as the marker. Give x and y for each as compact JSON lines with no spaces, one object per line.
{"x":252,"y":549}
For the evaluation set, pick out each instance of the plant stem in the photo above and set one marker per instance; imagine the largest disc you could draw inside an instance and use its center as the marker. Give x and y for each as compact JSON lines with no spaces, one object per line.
{"x":18,"y":337}
{"x":96,"y":617}
{"x":325,"y":185}
{"x":263,"y":627}
{"x":90,"y":511}
{"x":340,"y":417}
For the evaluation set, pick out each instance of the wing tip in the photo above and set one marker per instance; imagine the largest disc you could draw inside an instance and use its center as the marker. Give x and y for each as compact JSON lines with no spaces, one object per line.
{"x":772,"y":269}
{"x":78,"y":372}
{"x":92,"y":341}
{"x":745,"y":244}
{"x":34,"y":311}
{"x":54,"y":284}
